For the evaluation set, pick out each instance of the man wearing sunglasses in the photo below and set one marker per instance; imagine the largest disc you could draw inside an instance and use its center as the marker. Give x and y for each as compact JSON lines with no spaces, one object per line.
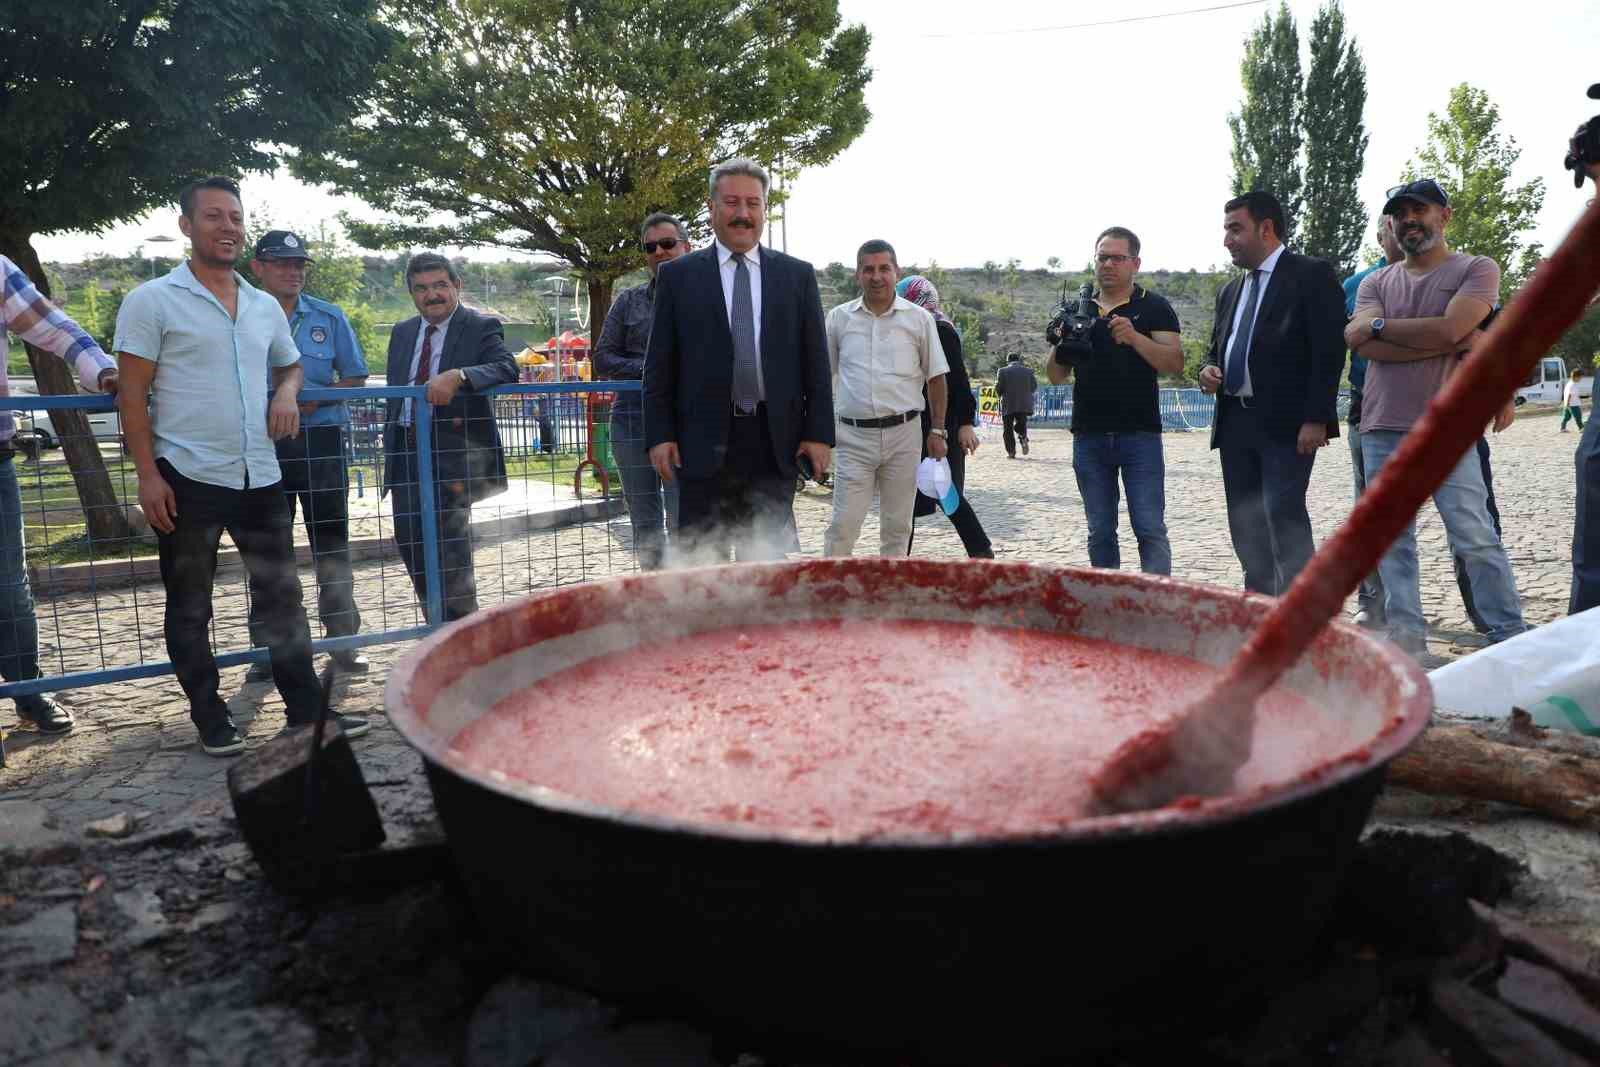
{"x":1412,"y":320}
{"x":620,"y":357}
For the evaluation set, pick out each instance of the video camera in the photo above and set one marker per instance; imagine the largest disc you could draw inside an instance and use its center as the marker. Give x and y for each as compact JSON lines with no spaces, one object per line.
{"x":1583,"y":151}
{"x":1069,"y":329}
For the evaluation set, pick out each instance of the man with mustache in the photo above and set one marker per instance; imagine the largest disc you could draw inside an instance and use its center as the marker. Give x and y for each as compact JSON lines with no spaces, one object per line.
{"x":1275,"y":359}
{"x":194,"y":348}
{"x":1116,"y":414}
{"x":619,"y":355}
{"x":884,"y":351}
{"x":458,"y":354}
{"x":1412,"y":319}
{"x":736,"y":378}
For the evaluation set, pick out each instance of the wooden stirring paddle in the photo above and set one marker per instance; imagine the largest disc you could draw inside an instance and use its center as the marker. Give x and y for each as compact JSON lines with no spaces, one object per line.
{"x":1197,"y":751}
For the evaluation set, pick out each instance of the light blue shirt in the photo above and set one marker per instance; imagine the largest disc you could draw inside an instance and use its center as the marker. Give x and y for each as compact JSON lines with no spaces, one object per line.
{"x":208,"y":406}
{"x":329,"y":352}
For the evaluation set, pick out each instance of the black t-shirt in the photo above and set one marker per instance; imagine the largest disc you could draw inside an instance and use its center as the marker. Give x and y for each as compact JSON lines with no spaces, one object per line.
{"x":1114,"y":390}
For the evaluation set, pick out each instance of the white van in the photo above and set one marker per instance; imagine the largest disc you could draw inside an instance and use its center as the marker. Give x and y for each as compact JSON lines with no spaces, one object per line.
{"x":1546,"y":381}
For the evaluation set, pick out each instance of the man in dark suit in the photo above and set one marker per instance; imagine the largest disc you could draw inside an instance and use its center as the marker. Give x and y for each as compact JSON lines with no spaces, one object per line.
{"x":458,"y":354}
{"x":736,"y":378}
{"x":1277,"y":350}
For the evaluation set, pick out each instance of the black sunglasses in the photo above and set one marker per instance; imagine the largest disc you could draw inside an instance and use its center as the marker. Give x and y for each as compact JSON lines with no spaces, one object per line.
{"x":666,"y":244}
{"x":1421,"y":185}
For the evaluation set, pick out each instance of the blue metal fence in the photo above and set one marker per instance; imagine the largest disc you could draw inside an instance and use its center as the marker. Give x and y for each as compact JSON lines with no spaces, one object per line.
{"x":1181,"y":409}
{"x":534,"y":420}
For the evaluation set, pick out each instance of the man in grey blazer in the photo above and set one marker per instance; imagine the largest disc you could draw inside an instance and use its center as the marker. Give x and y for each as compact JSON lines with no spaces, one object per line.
{"x":458,"y":354}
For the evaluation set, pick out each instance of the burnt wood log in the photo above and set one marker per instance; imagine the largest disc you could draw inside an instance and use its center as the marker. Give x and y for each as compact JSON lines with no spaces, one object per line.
{"x":1458,"y":761}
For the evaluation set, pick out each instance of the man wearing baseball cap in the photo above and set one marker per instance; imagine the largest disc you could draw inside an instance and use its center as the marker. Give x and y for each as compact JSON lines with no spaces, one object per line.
{"x":1413,"y":319}
{"x":312,"y":461}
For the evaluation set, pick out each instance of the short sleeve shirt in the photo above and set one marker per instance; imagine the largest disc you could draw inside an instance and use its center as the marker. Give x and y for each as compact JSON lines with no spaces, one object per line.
{"x":1115,"y":390}
{"x":882,"y":362}
{"x":1394,"y":395}
{"x":329,"y":352}
{"x":208,"y":402}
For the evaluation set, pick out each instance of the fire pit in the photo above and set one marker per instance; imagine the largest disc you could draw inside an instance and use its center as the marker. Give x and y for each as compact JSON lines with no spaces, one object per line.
{"x":946,"y":945}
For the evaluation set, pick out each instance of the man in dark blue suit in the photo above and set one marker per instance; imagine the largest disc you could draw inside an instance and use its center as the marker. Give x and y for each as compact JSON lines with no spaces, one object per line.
{"x":736,"y":378}
{"x":458,"y":354}
{"x":1277,"y":350}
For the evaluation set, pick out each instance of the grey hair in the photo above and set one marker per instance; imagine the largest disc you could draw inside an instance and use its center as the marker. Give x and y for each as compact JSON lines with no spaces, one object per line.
{"x":749,"y":168}
{"x":661,"y":218}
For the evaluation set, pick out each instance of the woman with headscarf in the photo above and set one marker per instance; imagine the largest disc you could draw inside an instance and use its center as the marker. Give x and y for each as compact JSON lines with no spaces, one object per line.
{"x":960,"y":415}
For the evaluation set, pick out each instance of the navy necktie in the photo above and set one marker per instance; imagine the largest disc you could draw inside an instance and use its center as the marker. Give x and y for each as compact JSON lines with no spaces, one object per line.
{"x":1238,"y":359}
{"x":746,"y":380}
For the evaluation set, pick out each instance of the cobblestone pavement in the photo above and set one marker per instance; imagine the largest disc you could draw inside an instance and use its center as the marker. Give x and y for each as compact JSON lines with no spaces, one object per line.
{"x":134,"y":750}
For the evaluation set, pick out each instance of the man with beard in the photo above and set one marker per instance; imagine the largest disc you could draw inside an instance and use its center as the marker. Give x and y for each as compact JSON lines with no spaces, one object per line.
{"x":193,"y":349}
{"x":1275,"y":359}
{"x":1412,"y":320}
{"x":736,"y":378}
{"x":1116,"y":412}
{"x":619,"y":356}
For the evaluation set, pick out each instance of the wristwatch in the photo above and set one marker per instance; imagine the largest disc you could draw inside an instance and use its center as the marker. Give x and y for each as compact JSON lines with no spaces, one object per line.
{"x":461,"y":371}
{"x":1377,"y":329}
{"x":941,"y":432}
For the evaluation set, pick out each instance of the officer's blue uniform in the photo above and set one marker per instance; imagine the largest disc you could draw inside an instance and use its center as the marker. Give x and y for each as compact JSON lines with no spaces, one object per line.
{"x":313,"y":461}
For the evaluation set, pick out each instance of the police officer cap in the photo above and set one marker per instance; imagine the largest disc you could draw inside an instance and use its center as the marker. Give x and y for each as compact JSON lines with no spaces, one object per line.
{"x":281,"y":244}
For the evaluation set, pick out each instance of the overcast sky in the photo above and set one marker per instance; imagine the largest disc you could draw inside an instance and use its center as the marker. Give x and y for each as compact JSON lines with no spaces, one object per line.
{"x":996,"y":134}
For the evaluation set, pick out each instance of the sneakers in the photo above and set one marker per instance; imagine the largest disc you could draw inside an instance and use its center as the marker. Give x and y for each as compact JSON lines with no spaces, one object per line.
{"x":260,"y":671}
{"x":350,"y":661}
{"x":1024,"y":442}
{"x":353,"y":725}
{"x":1368,"y":620}
{"x":47,"y":716}
{"x":222,"y":738}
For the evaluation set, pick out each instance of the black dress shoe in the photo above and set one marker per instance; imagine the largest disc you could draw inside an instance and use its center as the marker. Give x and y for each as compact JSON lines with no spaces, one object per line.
{"x":48,"y":716}
{"x":259,"y":672}
{"x":350,"y":661}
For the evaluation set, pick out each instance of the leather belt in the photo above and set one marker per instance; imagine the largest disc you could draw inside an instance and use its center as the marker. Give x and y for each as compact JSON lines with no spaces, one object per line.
{"x":757,"y":410}
{"x":880,"y":424}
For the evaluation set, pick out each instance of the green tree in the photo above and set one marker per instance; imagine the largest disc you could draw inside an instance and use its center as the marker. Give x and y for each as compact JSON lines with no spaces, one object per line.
{"x":335,"y":275}
{"x":110,"y":106}
{"x":1335,"y":222}
{"x":1580,"y":346}
{"x":1268,"y":128}
{"x":1054,"y":263}
{"x":556,"y":127}
{"x":1467,"y":154}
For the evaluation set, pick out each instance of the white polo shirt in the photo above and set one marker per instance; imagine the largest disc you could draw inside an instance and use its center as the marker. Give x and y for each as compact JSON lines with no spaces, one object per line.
{"x":881,"y":362}
{"x":208,"y":406}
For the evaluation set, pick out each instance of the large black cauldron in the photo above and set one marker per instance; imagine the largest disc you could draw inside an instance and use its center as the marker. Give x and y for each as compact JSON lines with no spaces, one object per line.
{"x":1092,"y":937}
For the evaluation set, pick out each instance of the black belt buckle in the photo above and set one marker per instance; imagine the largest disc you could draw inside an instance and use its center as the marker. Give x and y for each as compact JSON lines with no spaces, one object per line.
{"x":746,"y":414}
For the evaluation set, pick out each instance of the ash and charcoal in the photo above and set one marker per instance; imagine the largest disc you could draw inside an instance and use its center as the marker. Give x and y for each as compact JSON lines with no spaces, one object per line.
{"x":169,"y":947}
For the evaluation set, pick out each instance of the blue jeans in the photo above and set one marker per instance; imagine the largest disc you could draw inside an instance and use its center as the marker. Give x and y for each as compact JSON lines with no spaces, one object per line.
{"x":1463,"y":505}
{"x":1096,"y":459}
{"x":19,"y":631}
{"x":1370,"y":596}
{"x":649,"y":502}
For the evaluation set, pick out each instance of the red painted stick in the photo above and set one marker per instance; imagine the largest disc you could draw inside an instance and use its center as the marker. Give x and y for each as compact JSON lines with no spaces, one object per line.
{"x":1199,"y":749}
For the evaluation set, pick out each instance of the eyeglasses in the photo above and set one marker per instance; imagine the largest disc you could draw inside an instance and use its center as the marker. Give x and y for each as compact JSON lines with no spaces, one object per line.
{"x":1105,"y":258}
{"x":666,"y":244}
{"x":1421,"y":185}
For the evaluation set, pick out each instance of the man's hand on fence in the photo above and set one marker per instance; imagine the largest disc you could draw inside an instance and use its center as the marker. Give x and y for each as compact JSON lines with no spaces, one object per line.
{"x":283,"y":415}
{"x":157,"y":502}
{"x":108,"y":381}
{"x":665,"y":459}
{"x":442,"y":387}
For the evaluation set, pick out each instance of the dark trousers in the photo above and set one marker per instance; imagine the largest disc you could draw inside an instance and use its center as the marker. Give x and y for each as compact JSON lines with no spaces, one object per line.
{"x":315,"y":481}
{"x":1586,"y":527}
{"x":1463,"y":582}
{"x":746,"y":507}
{"x":1265,"y":482}
{"x":1013,"y":426}
{"x":258,"y":520}
{"x":458,"y":584}
{"x":1570,"y":412}
{"x":963,"y":518}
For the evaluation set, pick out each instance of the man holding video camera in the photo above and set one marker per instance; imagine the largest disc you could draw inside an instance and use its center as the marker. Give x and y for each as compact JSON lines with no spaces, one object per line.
{"x":1115,"y":343}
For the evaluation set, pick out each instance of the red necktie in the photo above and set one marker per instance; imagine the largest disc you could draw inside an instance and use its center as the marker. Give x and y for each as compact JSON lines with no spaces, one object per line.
{"x":426,"y":361}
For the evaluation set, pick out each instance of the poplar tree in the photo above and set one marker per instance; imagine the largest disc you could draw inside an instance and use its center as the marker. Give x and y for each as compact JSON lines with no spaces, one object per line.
{"x":1268,"y":128}
{"x":1335,"y":220}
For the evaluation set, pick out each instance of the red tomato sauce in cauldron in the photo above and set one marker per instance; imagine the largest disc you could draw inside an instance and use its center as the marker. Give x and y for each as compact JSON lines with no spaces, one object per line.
{"x":855,"y":729}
